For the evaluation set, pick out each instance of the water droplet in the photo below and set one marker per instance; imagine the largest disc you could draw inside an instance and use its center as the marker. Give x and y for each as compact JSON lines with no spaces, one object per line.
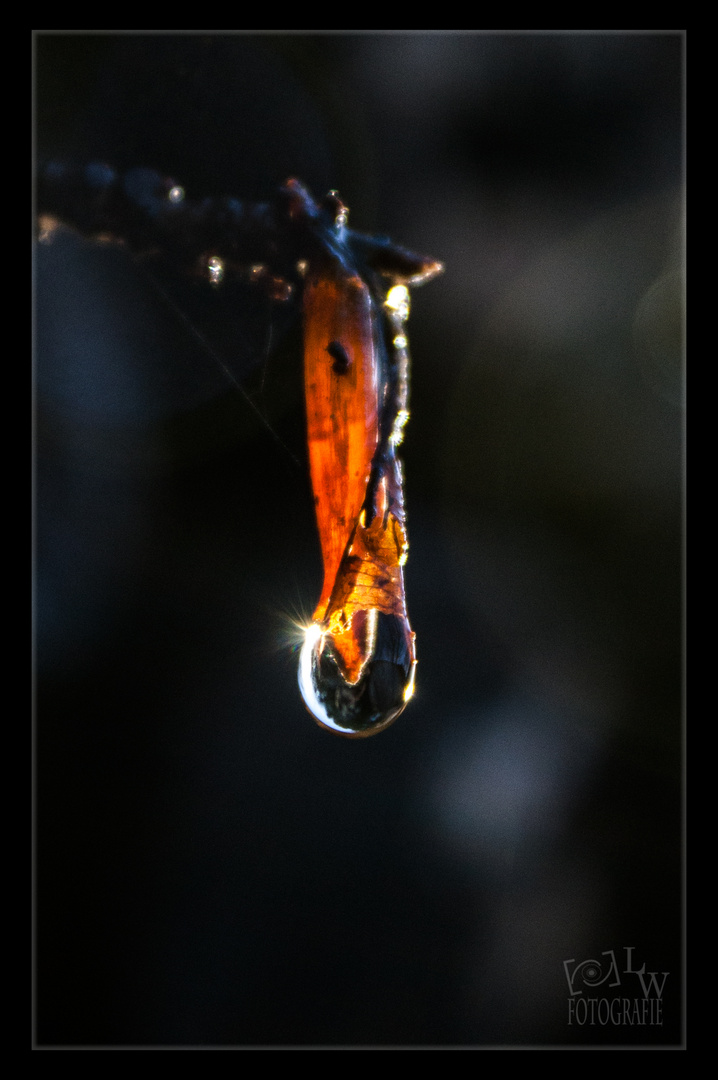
{"x":380,"y":694}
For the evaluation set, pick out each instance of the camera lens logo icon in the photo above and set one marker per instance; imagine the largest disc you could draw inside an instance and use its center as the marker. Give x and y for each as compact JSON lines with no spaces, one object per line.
{"x":588,"y":974}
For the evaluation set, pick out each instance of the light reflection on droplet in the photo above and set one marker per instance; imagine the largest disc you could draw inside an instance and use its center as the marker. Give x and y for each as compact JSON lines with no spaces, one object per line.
{"x":397,"y":300}
{"x":411,"y":685}
{"x":215,"y":268}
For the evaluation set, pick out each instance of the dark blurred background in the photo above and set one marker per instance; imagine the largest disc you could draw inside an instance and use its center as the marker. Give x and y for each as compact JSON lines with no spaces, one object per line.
{"x":212,"y":867}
